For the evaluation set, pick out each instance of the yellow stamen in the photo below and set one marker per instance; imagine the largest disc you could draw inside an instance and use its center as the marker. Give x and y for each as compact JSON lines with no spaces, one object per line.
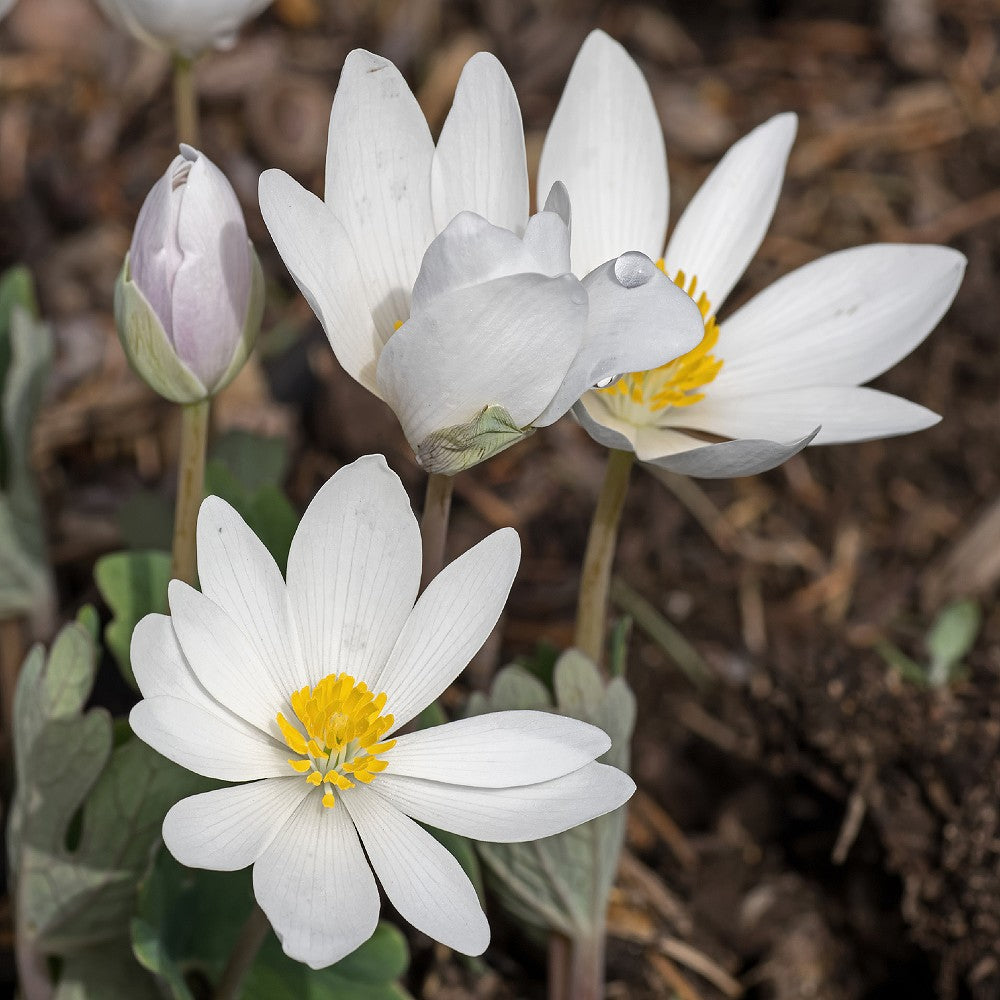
{"x":677,"y":383}
{"x":340,"y":734}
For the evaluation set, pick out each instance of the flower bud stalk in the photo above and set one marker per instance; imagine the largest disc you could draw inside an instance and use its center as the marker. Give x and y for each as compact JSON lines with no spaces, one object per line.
{"x":190,"y":489}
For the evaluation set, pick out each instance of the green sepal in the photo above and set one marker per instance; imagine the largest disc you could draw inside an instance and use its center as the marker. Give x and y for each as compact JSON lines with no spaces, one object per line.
{"x":148,"y":347}
{"x":453,"y":449}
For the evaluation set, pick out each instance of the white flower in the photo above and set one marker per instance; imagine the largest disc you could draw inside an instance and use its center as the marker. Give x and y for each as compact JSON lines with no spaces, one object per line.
{"x":299,"y":688}
{"x":783,"y":371}
{"x":497,"y":337}
{"x":189,"y":299}
{"x":186,"y":27}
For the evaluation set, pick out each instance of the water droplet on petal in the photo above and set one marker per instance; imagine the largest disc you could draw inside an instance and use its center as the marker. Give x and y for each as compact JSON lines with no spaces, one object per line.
{"x":606,"y":383}
{"x":633,"y":269}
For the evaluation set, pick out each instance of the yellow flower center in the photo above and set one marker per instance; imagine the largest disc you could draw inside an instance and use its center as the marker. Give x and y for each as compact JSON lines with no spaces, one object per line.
{"x":337,"y":734}
{"x":677,"y":383}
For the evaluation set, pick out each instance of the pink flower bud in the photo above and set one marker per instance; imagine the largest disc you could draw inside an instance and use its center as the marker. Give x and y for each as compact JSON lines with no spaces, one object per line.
{"x":192,"y":266}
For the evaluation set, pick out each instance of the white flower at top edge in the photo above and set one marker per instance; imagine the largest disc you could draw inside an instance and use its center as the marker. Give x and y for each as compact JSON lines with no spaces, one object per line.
{"x":186,"y":27}
{"x":297,"y":688}
{"x":495,"y":336}
{"x":786,"y":369}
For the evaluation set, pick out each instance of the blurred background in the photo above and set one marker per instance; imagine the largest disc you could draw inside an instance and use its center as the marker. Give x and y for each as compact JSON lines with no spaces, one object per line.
{"x":815,"y":819}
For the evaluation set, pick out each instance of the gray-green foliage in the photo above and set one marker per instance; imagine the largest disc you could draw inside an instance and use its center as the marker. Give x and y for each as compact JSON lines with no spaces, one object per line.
{"x":88,"y":805}
{"x":188,"y":921}
{"x":950,"y":637}
{"x":133,"y":585}
{"x":562,"y":883}
{"x":25,"y":359}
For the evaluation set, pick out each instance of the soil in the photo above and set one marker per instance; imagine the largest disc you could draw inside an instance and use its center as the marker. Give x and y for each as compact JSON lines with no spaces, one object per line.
{"x":811,"y":823}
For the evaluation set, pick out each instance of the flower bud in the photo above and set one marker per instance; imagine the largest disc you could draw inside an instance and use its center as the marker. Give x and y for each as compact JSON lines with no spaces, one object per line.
{"x":190,"y":296}
{"x":186,"y":27}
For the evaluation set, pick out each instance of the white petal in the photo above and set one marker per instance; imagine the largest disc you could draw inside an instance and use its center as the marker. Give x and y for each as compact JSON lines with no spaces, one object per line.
{"x":314,"y":883}
{"x":479,"y":164}
{"x":226,"y":829}
{"x":354,"y":570}
{"x":507,"y":342}
{"x":729,"y":459}
{"x":547,"y":237}
{"x":378,"y":175}
{"x":159,"y":665}
{"x":421,"y":877}
{"x":841,"y":320}
{"x":724,"y":224}
{"x":237,"y":572}
{"x":605,"y":144}
{"x":318,"y":254}
{"x":638,"y":319}
{"x":469,"y":251}
{"x":606,"y":429}
{"x":509,"y":815}
{"x":846,"y":413}
{"x":499,"y":750}
{"x":207,"y":742}
{"x":224,"y":660}
{"x":449,"y":624}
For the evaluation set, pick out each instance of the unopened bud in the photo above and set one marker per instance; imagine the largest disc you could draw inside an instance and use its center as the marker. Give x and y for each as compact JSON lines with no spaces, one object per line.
{"x":189,"y":299}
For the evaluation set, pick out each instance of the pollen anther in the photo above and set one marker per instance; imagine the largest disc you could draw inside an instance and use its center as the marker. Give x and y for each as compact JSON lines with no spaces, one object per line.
{"x":337,"y":734}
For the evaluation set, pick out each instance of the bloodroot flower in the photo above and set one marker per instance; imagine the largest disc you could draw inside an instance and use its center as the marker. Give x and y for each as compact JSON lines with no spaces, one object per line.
{"x":786,"y":369}
{"x":299,"y":689}
{"x":436,"y":290}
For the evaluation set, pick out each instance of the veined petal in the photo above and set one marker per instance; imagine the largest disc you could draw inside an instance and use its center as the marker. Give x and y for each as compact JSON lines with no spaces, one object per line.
{"x":724,"y":224}
{"x":422,"y":879}
{"x":479,"y":164}
{"x":842,"y":319}
{"x":315,"y":886}
{"x":226,"y":663}
{"x":846,"y":413}
{"x":354,"y":570}
{"x":238,"y":574}
{"x":378,"y":175}
{"x":207,"y":742}
{"x":449,"y":624}
{"x":638,"y":319}
{"x":499,"y":750}
{"x":605,"y":144}
{"x":468,"y":252}
{"x":507,"y":342}
{"x":159,"y":665}
{"x":509,"y":815}
{"x":728,"y":459}
{"x":227,"y":829}
{"x":319,"y":256}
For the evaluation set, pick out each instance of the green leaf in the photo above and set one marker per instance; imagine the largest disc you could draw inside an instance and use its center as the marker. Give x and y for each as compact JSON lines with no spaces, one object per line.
{"x":951,"y":637}
{"x":86,"y":813}
{"x":103,"y":973}
{"x":562,"y":883}
{"x":253,"y":460}
{"x":25,"y":358}
{"x":133,"y":585}
{"x":189,"y":920}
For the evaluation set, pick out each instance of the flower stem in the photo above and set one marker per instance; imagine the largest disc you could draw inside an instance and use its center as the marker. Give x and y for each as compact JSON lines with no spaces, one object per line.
{"x":252,"y":936}
{"x":576,"y":967}
{"x":595,"y":579}
{"x":190,"y":488}
{"x":185,"y":101}
{"x":434,"y":525}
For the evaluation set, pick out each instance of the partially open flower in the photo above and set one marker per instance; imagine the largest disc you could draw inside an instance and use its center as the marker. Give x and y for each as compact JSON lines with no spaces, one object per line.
{"x":189,"y":300}
{"x":186,"y":27}
{"x":300,"y":689}
{"x":436,"y":290}
{"x":780,"y":373}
